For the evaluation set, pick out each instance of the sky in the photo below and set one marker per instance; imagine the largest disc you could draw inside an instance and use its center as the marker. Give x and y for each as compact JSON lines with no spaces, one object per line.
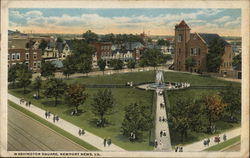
{"x":154,"y":21}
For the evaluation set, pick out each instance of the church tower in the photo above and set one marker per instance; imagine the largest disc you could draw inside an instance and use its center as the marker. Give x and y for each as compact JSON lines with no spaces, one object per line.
{"x":182,"y":36}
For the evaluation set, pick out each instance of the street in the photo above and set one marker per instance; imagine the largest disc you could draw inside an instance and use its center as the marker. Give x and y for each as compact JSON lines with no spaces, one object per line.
{"x":26,"y":134}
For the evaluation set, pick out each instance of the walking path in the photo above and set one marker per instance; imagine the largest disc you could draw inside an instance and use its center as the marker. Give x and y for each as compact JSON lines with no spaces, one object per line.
{"x":69,"y":127}
{"x":199,"y":146}
{"x":164,"y":141}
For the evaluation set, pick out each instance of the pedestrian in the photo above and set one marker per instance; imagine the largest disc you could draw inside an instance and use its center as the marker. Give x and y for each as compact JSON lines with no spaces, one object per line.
{"x":109,"y":141}
{"x":46,"y":114}
{"x":29,"y":103}
{"x":49,"y":114}
{"x":161,"y":133}
{"x":224,"y":137}
{"x":83,"y":132}
{"x":57,"y":118}
{"x":181,"y":149}
{"x":163,"y":119}
{"x":54,"y":118}
{"x":176,"y":148}
{"x":80,"y":132}
{"x":208,"y":141}
{"x":160,"y":118}
{"x":160,"y":144}
{"x":133,"y":137}
{"x":104,"y":142}
{"x":156,"y":143}
{"x":204,"y":142}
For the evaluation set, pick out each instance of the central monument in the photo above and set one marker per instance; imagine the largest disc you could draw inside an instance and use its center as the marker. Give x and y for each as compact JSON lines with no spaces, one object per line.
{"x":159,"y":80}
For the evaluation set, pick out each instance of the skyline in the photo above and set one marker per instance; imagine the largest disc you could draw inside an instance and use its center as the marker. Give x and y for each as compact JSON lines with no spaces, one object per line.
{"x":160,"y":21}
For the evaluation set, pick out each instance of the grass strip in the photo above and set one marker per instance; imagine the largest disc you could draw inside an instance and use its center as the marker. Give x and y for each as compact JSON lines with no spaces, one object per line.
{"x":53,"y":127}
{"x":224,"y":144}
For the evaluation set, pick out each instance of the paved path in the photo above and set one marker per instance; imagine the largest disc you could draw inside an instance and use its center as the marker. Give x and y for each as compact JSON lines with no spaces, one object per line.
{"x":69,"y":127}
{"x":198,"y":146}
{"x":27,"y":134}
{"x":164,"y":142}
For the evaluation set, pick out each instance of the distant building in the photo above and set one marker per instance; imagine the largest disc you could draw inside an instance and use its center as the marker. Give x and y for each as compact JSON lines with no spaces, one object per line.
{"x":19,"y":53}
{"x":196,"y":45}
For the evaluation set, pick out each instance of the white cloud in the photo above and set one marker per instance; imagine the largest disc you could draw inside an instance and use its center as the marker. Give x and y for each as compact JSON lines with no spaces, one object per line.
{"x":222,"y":19}
{"x":235,"y":22}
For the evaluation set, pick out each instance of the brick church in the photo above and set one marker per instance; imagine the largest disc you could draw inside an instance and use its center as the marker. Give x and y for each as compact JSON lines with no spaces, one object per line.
{"x":195,"y":45}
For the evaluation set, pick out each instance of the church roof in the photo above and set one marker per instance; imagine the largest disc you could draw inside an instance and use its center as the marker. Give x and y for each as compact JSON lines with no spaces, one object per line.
{"x":182,"y":24}
{"x":209,"y":37}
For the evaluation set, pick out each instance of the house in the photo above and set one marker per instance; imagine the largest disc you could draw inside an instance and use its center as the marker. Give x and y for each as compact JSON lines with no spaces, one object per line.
{"x":19,"y":53}
{"x":196,"y":45}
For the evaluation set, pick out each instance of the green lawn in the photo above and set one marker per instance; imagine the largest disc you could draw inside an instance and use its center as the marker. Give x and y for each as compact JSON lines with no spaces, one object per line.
{"x":123,"y":97}
{"x":53,"y":127}
{"x":223,"y":145}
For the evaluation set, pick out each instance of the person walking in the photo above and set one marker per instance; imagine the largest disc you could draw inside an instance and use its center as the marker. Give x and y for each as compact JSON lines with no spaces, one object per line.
{"x":208,"y":141}
{"x":161,"y":133}
{"x":160,"y":118}
{"x":224,"y":137}
{"x":29,"y":103}
{"x":156,"y":143}
{"x":49,"y":114}
{"x":54,"y":118}
{"x":133,"y":137}
{"x":79,"y":132}
{"x":104,"y":142}
{"x":83,"y":132}
{"x":46,"y":114}
{"x":57,"y":118}
{"x":176,"y":148}
{"x":181,"y":149}
{"x":109,"y":141}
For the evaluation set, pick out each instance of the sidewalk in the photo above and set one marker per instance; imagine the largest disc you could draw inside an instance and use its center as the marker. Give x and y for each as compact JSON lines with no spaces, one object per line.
{"x":67,"y":126}
{"x":161,"y":126}
{"x":198,"y":146}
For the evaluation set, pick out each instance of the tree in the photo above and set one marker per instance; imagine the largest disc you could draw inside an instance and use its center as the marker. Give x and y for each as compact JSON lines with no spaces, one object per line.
{"x":152,"y":57}
{"x":24,"y":76}
{"x":137,"y":119}
{"x":37,"y":85}
{"x":131,"y":64}
{"x":75,"y":95}
{"x":180,"y":117}
{"x":190,"y":63}
{"x":69,"y":66}
{"x":214,"y":56}
{"x":80,"y":47}
{"x":117,"y":64}
{"x":43,"y":45}
{"x":54,"y":88}
{"x":213,"y":109}
{"x":142,"y":63}
{"x":102,"y":64}
{"x":90,"y":37}
{"x":162,"y":42}
{"x":48,"y":69}
{"x":103,"y":103}
{"x":59,"y":40}
{"x":108,"y":38}
{"x":232,"y":98}
{"x":85,"y":64}
{"x":237,"y":62}
{"x":12,"y":74}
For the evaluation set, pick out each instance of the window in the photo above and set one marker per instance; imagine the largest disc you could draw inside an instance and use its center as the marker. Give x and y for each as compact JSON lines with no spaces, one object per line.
{"x":180,"y":38}
{"x":27,"y":56}
{"x":38,"y":64}
{"x":13,"y":56}
{"x":34,"y":55}
{"x":34,"y":64}
{"x":8,"y":57}
{"x":18,"y":56}
{"x":195,"y":51}
{"x":179,"y":50}
{"x":27,"y":64}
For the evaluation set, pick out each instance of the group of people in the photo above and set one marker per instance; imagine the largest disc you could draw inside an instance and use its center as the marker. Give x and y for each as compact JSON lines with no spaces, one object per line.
{"x":163,"y":133}
{"x":157,"y":144}
{"x":132,"y":137}
{"x":163,"y":119}
{"x":180,"y":149}
{"x":55,"y":117}
{"x":216,"y":140}
{"x":81,"y":132}
{"x":107,"y":141}
{"x":27,"y":103}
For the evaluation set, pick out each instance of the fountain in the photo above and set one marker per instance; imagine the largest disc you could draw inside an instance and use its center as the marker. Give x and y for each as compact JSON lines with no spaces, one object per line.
{"x":162,"y":85}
